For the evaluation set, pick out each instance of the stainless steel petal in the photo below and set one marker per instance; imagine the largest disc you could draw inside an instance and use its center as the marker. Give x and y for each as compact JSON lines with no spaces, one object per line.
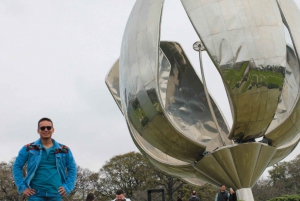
{"x":185,"y":102}
{"x":139,"y":63}
{"x":266,"y":154}
{"x":210,"y":167}
{"x":287,"y":131}
{"x":283,"y":128}
{"x":167,"y":163}
{"x":224,"y":158}
{"x":238,"y":166}
{"x":194,"y":181}
{"x":245,"y":40}
{"x":158,"y":158}
{"x":112,"y":82}
{"x":290,"y":13}
{"x":290,"y":91}
{"x":284,"y":151}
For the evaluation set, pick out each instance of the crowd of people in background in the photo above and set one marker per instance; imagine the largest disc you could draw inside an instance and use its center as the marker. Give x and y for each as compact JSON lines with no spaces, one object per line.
{"x":222,"y":195}
{"x":120,"y":196}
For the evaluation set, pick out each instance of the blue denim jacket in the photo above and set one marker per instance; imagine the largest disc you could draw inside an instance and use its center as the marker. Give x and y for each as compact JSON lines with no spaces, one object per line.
{"x":31,"y":153}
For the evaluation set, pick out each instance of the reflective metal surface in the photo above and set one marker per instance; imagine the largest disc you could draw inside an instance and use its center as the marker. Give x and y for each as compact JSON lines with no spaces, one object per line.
{"x":237,"y":166}
{"x":288,"y":130}
{"x":184,"y":170}
{"x":284,"y":151}
{"x":245,"y":40}
{"x":138,"y":76}
{"x":245,"y":194}
{"x":186,"y":102}
{"x":170,"y":114}
{"x":211,"y":108}
{"x":285,"y":126}
{"x":171,"y":165}
{"x":112,"y":81}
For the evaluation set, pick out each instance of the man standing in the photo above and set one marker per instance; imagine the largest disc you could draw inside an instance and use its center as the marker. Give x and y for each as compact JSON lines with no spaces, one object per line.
{"x":51,"y":169}
{"x":223,"y":195}
{"x":194,"y":197}
{"x":120,"y":196}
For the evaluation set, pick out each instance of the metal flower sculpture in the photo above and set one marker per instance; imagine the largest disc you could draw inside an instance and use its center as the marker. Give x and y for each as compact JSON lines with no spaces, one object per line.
{"x":170,"y":114}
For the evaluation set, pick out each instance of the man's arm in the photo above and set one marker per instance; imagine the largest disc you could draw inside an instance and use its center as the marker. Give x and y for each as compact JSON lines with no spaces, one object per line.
{"x":17,"y":170}
{"x":72,"y":172}
{"x":216,"y":199}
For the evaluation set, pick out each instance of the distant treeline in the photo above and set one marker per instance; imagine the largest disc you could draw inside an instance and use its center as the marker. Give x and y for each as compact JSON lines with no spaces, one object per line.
{"x":134,"y":174}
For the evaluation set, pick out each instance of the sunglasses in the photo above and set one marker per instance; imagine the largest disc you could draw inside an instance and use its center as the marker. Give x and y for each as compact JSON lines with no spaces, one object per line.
{"x":46,"y":127}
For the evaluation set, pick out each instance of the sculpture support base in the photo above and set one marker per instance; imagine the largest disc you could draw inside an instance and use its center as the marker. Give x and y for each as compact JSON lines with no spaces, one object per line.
{"x":245,"y":194}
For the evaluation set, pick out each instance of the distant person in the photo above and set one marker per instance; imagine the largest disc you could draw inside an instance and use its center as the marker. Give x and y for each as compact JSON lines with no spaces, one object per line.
{"x":223,"y":195}
{"x":194,"y":197}
{"x":179,"y":198}
{"x":232,"y":196}
{"x":120,"y":196}
{"x":90,"y":197}
{"x":51,"y":168}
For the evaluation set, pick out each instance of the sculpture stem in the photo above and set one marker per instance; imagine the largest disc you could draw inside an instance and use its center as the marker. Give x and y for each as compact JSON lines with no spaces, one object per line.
{"x":245,"y":194}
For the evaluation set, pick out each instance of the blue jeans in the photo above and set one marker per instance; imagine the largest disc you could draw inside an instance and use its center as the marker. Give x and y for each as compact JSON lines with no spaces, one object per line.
{"x":44,"y":196}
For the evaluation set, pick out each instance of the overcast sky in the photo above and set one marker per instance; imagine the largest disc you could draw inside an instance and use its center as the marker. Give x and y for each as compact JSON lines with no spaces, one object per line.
{"x":54,"y":56}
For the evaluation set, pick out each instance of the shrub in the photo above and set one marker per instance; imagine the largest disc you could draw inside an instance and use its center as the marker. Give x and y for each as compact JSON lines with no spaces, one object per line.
{"x":286,"y":198}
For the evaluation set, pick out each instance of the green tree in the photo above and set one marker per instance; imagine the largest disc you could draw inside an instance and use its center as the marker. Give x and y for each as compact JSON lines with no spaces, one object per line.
{"x":158,"y":178}
{"x":127,"y":172}
{"x":8,"y":190}
{"x":206,"y":192}
{"x":134,"y":174}
{"x":284,"y":179}
{"x":286,"y":198}
{"x":83,"y":184}
{"x":279,"y":172}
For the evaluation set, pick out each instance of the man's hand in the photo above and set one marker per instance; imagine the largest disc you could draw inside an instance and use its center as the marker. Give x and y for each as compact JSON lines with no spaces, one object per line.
{"x":62,"y":191}
{"x":28,"y":192}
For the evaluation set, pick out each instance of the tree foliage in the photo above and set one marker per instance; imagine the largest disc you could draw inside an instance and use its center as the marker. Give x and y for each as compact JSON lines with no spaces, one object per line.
{"x":286,"y":198}
{"x":206,"y":192}
{"x":284,"y":179}
{"x":159,"y":179}
{"x":127,"y":172}
{"x":134,"y":174}
{"x":8,"y":189}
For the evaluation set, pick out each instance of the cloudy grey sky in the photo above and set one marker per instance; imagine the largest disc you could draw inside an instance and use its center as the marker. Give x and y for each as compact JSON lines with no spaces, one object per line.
{"x":54,"y":56}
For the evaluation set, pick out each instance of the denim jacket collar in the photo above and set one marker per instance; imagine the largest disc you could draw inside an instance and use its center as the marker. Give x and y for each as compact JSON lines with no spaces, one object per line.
{"x":39,"y":144}
{"x":59,"y":148}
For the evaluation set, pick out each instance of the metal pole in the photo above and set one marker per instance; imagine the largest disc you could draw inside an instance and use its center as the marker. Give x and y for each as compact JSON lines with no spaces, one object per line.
{"x":199,"y":47}
{"x":149,"y":195}
{"x":83,"y":193}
